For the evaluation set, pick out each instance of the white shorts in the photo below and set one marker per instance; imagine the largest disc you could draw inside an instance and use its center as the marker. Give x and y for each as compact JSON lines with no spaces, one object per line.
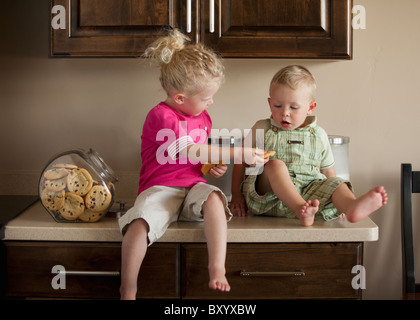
{"x":159,"y":206}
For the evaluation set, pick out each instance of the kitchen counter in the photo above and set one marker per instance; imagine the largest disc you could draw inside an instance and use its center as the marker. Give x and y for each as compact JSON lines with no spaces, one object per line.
{"x":35,"y":224}
{"x":12,"y":205}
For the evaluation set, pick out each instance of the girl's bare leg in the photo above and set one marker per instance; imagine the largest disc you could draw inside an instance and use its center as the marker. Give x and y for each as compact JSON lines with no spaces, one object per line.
{"x":357,"y":209}
{"x":275,"y":178}
{"x":134,"y":247}
{"x":215,"y":230}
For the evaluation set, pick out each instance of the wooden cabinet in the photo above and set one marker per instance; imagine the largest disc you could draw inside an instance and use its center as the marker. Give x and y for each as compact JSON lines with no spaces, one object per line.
{"x":254,"y":271}
{"x":276,"y":271}
{"x":113,"y":28}
{"x":235,"y":28}
{"x":280,"y":29}
{"x":93,"y":270}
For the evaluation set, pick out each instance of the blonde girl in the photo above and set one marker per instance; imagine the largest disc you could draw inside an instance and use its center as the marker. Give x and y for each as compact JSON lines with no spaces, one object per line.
{"x":174,"y":146}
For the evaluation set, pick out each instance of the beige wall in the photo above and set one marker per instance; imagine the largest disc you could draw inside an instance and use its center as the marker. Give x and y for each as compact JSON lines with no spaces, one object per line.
{"x":51,"y":105}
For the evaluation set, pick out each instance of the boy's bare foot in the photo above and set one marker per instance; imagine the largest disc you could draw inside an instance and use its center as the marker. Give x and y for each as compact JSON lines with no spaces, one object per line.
{"x":218,"y":280}
{"x":366,"y":204}
{"x":307,"y":212}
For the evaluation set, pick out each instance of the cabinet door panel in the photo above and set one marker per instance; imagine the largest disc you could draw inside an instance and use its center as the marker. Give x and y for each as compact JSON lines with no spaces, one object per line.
{"x":95,"y":270}
{"x":288,"y":29}
{"x":276,"y":271}
{"x":122,"y":13}
{"x":112,"y":27}
{"x":264,"y":18}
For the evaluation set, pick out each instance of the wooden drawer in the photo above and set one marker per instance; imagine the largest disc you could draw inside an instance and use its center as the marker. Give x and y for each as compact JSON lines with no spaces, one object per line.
{"x":275,"y":271}
{"x":29,"y":270}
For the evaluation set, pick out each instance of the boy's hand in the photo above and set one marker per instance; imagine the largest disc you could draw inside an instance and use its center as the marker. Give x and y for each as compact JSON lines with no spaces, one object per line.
{"x":237,"y":205}
{"x":254,"y":157}
{"x":218,"y":170}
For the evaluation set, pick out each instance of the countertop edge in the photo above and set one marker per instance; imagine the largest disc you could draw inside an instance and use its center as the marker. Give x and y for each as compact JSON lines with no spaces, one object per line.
{"x":35,"y":224}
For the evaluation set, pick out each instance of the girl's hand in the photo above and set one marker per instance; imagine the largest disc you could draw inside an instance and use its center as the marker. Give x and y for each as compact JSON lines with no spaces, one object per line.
{"x":237,"y":205}
{"x":218,"y":170}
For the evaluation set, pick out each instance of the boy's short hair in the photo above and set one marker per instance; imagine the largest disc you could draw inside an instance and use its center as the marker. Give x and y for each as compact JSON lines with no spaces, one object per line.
{"x":295,"y":76}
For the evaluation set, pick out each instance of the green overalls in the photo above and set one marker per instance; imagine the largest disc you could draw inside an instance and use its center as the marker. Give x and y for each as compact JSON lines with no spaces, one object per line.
{"x":306,"y":151}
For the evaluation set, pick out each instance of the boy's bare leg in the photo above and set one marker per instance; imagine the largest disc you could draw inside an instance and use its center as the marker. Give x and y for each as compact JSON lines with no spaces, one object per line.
{"x":134,"y":247}
{"x":215,"y":230}
{"x":275,"y":178}
{"x":357,"y":209}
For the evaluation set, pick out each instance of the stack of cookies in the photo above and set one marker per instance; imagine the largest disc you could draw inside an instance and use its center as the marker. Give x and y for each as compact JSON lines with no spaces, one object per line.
{"x":68,"y":191}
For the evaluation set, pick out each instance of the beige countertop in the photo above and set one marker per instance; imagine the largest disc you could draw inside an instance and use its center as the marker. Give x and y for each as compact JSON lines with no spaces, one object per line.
{"x":37,"y":225}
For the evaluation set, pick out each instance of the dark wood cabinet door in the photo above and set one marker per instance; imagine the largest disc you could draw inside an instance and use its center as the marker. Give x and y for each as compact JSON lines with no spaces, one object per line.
{"x":92,"y":270}
{"x":276,"y":271}
{"x":235,"y":28}
{"x":279,"y":29}
{"x":112,"y":27}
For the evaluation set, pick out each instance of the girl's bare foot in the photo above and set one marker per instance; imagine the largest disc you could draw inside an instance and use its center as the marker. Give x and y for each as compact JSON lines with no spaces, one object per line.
{"x":128,"y":294}
{"x":307,"y":212}
{"x":218,"y":280}
{"x":366,"y":204}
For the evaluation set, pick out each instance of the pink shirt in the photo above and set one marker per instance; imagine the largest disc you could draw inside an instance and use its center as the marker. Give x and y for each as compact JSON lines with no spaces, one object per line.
{"x":165,"y":133}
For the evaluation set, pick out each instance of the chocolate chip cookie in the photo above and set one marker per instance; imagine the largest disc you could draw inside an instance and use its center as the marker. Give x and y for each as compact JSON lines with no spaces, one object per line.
{"x":73,"y":206}
{"x":98,"y":199}
{"x":79,"y":181}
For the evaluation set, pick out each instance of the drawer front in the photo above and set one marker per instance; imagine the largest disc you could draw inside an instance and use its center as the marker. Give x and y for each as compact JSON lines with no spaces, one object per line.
{"x":29,"y":270}
{"x":276,"y":271}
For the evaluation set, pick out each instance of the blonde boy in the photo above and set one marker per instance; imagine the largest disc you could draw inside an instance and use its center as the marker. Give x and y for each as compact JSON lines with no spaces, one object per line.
{"x":299,"y":180}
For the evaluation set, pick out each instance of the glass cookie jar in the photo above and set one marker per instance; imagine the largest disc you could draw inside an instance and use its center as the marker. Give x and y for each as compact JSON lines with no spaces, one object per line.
{"x":77,"y":186}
